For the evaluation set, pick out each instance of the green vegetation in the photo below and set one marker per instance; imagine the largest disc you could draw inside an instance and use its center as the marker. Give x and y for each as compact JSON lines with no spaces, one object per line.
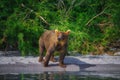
{"x":94,"y":24}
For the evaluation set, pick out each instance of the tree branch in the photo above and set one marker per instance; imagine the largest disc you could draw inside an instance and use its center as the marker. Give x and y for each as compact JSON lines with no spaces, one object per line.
{"x":35,"y":14}
{"x":44,"y":20}
{"x":95,"y":17}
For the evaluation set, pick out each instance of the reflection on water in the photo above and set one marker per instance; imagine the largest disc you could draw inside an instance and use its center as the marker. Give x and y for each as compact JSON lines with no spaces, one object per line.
{"x":51,"y":76}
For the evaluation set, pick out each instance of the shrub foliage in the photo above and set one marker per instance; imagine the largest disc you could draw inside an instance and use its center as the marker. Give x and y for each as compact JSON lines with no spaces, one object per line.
{"x":94,"y":24}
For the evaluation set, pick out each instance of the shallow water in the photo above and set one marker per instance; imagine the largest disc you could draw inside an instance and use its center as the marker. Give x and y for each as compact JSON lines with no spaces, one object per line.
{"x":52,"y":76}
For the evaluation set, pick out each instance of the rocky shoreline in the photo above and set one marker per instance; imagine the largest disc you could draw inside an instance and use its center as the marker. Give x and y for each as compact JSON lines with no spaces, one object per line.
{"x":104,"y":65}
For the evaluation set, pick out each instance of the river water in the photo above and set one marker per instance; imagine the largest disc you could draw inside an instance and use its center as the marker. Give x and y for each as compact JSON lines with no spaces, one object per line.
{"x":52,"y":76}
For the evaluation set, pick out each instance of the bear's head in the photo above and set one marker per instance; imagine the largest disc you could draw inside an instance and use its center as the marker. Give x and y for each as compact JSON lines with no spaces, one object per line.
{"x":62,"y":36}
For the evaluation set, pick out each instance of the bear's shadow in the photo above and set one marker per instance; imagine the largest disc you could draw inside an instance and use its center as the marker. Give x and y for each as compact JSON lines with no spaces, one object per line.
{"x":73,"y":61}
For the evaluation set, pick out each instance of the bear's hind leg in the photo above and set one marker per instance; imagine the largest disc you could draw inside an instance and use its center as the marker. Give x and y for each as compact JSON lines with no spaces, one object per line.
{"x":41,"y":54}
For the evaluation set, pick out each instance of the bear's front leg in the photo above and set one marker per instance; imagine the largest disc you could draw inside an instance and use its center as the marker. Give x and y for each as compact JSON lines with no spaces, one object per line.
{"x":48,"y":56}
{"x":52,"y":58}
{"x":61,"y":59}
{"x":46,"y":60}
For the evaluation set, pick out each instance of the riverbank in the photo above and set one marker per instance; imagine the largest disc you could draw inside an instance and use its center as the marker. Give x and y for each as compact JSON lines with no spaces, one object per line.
{"x":102,"y":65}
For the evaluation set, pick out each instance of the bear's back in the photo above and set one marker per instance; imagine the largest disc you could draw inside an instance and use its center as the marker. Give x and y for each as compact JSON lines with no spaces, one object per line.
{"x":48,"y":38}
{"x":47,"y":35}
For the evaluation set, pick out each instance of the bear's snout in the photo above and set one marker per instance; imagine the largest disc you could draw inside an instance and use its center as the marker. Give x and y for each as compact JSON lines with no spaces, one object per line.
{"x":59,"y":38}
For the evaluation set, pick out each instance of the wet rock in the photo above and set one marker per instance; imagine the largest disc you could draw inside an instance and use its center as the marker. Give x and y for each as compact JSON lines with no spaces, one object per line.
{"x":117,"y":54}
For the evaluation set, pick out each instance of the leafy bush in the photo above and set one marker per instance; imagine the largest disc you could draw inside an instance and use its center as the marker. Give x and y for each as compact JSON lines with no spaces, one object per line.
{"x":93,"y":23}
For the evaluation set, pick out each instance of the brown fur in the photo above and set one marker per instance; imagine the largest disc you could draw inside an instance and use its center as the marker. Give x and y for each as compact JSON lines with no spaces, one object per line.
{"x":53,"y":41}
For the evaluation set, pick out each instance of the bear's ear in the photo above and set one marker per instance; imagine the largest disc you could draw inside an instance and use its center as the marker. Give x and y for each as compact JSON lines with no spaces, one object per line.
{"x":68,"y":32}
{"x":56,"y":31}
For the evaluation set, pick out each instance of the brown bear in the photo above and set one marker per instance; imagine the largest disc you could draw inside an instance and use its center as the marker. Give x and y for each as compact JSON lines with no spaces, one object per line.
{"x":53,"y":40}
